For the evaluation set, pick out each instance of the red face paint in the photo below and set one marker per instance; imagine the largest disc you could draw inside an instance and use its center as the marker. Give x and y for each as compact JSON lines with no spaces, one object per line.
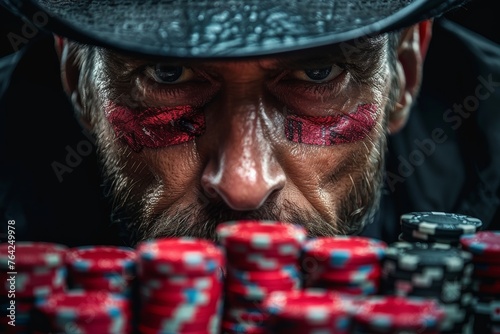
{"x":332,"y":130}
{"x":155,"y":127}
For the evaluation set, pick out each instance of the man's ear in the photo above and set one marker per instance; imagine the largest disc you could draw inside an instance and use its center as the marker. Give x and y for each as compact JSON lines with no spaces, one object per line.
{"x":70,"y":73}
{"x":411,"y":55}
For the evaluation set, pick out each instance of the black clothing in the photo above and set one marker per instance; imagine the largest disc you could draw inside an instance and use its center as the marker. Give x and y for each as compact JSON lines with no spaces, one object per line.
{"x":443,"y":160}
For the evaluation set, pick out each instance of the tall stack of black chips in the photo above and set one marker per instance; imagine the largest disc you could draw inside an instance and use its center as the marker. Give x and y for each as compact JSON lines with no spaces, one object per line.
{"x":431,"y":270}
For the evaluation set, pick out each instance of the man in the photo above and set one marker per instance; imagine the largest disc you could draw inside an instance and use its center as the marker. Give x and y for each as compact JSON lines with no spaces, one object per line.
{"x":202,"y":112}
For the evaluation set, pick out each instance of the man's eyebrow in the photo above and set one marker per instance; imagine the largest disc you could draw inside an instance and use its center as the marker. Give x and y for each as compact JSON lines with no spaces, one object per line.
{"x":351,"y":52}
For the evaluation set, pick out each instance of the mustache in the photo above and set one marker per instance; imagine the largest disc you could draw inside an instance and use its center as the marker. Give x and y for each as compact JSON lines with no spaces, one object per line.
{"x":201,"y":222}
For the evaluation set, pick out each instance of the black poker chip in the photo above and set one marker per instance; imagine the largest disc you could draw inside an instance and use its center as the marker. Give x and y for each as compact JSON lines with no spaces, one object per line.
{"x":416,"y":256}
{"x":411,"y":234}
{"x":441,"y":224}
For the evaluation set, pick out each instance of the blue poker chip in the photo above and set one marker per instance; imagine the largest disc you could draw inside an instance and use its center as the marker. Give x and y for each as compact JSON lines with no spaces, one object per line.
{"x":441,"y":224}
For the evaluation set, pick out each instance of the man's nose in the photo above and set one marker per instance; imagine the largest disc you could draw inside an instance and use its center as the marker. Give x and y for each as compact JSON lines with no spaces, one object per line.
{"x":243,"y":170}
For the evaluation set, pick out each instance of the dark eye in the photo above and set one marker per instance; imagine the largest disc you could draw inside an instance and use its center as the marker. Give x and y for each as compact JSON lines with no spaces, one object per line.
{"x":318,"y":74}
{"x":169,"y":74}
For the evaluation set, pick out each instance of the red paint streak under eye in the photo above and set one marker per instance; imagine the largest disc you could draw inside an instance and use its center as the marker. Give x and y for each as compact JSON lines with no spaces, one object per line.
{"x":155,"y":127}
{"x":332,"y":130}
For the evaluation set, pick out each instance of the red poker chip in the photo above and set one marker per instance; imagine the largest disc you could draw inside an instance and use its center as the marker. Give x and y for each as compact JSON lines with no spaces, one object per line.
{"x":284,"y":251}
{"x":27,"y":254}
{"x":345,"y":276}
{"x":258,"y":291}
{"x":145,"y":328}
{"x":191,"y":256}
{"x":365,"y":288}
{"x":91,"y":327}
{"x":84,"y":305}
{"x":305,"y":304}
{"x":485,"y":285}
{"x":486,"y":270}
{"x":399,"y":313}
{"x":258,"y":262}
{"x":249,"y":258}
{"x":259,"y":235}
{"x":154,"y":315}
{"x":29,"y":285}
{"x":101,"y":258}
{"x":342,"y":251}
{"x":113,"y":284}
{"x":40,"y":291}
{"x":183,"y":325}
{"x":168,"y":298}
{"x":306,"y":310}
{"x":283,"y":273}
{"x":482,"y":243}
{"x":164,"y":285}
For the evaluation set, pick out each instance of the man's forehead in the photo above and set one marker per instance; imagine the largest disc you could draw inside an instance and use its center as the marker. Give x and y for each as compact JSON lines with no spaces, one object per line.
{"x":350,"y":51}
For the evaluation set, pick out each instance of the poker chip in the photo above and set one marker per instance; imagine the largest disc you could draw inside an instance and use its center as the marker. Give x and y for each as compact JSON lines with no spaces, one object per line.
{"x":262,"y":257}
{"x":87,"y":311}
{"x":413,"y":256}
{"x":101,"y":268}
{"x":307,"y":311}
{"x":340,"y":251}
{"x":180,"y":286}
{"x":441,"y":223}
{"x":483,"y":243}
{"x":436,"y":271}
{"x":39,"y":269}
{"x":389,"y":314}
{"x":412,"y":235}
{"x":353,"y":275}
{"x":251,"y":235}
{"x":191,"y":256}
{"x":27,"y":255}
{"x":95,"y":259}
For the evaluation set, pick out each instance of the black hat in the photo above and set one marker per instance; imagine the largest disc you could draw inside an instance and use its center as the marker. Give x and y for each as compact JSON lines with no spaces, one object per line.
{"x":223,"y":28}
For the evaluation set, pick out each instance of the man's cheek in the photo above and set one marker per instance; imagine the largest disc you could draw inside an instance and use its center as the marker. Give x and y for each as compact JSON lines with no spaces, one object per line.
{"x":155,"y":127}
{"x":332,"y":130}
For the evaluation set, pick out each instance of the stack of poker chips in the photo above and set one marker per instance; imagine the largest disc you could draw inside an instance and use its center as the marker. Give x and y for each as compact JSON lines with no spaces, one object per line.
{"x":262,"y":257}
{"x":85,"y":312}
{"x":435,"y":271}
{"x":101,"y":268}
{"x":30,"y":271}
{"x":181,"y":286}
{"x":437,"y":227}
{"x":394,"y":314}
{"x":485,"y":248}
{"x":307,"y":311}
{"x":346,"y":264}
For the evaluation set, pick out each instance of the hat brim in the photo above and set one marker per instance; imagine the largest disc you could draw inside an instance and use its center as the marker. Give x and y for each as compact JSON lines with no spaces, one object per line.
{"x":223,"y":28}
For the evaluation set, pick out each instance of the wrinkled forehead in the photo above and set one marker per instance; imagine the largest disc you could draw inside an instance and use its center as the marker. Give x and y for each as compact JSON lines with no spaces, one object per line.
{"x":364,"y":49}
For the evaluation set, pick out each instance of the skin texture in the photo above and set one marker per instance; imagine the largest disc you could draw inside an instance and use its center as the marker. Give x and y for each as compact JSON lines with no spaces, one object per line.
{"x":216,"y":144}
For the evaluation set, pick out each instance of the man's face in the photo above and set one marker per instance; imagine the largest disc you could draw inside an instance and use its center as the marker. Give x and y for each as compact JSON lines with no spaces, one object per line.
{"x":188,"y":144}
